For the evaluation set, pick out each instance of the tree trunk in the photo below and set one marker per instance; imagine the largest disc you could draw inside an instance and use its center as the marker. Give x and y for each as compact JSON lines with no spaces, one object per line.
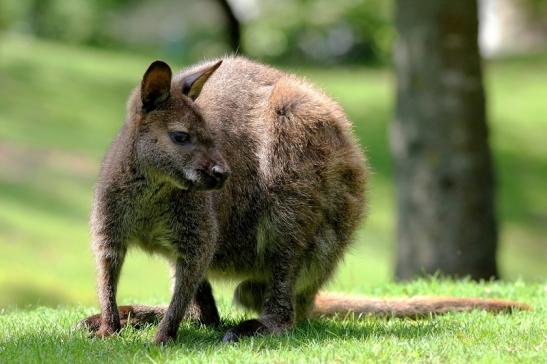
{"x":234,"y":26}
{"x":439,"y":141}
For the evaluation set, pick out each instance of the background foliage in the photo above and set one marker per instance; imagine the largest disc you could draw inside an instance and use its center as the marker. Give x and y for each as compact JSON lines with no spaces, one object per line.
{"x":289,"y":31}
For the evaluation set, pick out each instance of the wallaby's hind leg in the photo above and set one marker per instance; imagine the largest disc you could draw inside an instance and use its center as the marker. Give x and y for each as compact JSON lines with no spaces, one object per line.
{"x":251,"y":295}
{"x":204,"y":302}
{"x":304,"y":304}
{"x":202,"y":310}
{"x":278,"y":309}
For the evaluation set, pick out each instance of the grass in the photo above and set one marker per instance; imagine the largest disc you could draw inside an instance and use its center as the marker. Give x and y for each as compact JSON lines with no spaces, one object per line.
{"x":61,"y":105}
{"x":46,"y":335}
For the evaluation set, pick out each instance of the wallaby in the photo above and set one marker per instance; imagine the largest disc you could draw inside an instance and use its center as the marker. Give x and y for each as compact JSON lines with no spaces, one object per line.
{"x":236,"y":168}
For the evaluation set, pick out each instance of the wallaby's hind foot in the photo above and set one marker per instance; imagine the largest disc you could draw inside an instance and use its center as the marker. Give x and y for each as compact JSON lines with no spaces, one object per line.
{"x":245,"y":328}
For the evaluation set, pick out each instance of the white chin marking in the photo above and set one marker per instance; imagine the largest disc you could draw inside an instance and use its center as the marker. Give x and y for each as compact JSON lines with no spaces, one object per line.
{"x":191,"y":176}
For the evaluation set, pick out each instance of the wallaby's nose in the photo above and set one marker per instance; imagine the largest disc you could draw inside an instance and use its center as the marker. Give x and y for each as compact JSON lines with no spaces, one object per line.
{"x":220,"y":173}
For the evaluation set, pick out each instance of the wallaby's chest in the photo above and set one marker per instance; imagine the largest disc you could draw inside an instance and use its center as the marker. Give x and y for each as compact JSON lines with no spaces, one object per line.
{"x":150,"y":224}
{"x":154,"y":236}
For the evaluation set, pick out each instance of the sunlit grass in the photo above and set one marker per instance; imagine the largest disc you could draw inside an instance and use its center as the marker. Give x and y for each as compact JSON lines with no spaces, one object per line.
{"x":46,"y":335}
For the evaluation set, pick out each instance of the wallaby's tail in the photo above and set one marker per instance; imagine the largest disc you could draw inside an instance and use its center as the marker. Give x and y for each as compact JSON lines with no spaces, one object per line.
{"x":331,"y":304}
{"x":133,"y":315}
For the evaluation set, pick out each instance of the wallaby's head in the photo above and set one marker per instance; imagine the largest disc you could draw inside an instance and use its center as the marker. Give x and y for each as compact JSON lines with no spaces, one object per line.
{"x":173,"y":141}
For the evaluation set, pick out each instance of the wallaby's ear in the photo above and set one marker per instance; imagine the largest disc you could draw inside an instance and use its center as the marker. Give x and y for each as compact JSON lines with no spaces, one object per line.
{"x":192,"y":85}
{"x":155,"y":85}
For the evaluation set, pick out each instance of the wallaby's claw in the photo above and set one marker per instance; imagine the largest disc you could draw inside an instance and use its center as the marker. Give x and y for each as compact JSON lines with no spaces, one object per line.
{"x":164,"y":338}
{"x":106,"y":331}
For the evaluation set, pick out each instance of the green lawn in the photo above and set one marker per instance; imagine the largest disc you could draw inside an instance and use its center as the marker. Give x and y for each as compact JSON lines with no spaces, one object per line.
{"x":46,"y":335}
{"x":59,"y":109}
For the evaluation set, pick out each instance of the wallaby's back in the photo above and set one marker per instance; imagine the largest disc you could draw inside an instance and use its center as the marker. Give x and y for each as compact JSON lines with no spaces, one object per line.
{"x":298,"y":175}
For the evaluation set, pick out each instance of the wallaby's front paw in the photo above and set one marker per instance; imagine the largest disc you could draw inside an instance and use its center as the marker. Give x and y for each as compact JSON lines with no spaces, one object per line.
{"x":163,"y":337}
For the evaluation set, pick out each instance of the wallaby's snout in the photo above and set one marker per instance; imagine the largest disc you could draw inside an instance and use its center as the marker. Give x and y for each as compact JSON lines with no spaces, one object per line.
{"x":220,"y":173}
{"x":214,"y":176}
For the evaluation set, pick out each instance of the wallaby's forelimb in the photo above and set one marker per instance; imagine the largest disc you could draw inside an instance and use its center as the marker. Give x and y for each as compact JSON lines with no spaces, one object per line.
{"x":188,"y":276}
{"x":278,"y":309}
{"x":109,"y":264}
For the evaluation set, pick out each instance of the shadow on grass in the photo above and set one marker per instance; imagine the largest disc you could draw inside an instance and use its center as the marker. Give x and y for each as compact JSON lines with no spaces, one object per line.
{"x":69,"y":345}
{"x":198,"y":337}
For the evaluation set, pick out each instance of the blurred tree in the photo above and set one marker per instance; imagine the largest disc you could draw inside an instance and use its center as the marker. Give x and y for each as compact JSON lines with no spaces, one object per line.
{"x":38,"y":15}
{"x":439,"y":140}
{"x":233,"y":24}
{"x":280,"y":31}
{"x":319,"y":31}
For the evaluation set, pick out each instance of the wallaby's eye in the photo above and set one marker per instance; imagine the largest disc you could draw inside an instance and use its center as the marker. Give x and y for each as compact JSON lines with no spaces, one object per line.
{"x":179,"y":137}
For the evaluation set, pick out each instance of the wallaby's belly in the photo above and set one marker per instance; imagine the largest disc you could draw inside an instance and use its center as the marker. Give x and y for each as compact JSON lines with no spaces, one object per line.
{"x":239,"y":211}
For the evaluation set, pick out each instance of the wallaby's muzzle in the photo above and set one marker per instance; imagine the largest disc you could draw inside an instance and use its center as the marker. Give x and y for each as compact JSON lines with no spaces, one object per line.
{"x":220,"y":173}
{"x":213,"y":178}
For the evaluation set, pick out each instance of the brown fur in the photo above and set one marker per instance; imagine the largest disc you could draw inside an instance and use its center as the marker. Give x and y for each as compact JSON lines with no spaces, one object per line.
{"x":280,"y":223}
{"x":329,"y":305}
